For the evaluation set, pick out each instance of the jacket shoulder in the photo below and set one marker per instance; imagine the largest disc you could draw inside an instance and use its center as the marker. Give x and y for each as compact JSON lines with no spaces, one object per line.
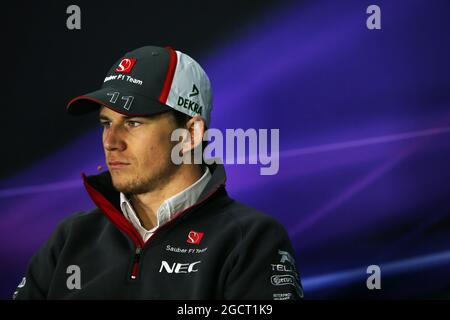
{"x":249,"y":219}
{"x":78,"y":220}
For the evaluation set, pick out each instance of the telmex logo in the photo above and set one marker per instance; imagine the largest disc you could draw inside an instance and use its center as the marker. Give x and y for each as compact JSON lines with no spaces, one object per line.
{"x":126,"y":65}
{"x":178,"y":267}
{"x":280,"y":280}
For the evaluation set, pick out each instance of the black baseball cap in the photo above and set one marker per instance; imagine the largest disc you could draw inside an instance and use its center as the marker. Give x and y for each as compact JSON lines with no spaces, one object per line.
{"x":148,"y":81}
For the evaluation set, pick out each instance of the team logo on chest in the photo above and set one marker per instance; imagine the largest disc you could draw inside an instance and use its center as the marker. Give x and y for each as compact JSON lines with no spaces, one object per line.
{"x":194,"y":237}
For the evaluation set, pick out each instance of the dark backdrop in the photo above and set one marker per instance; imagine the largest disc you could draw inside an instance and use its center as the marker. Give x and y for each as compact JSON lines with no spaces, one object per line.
{"x":364,"y":119}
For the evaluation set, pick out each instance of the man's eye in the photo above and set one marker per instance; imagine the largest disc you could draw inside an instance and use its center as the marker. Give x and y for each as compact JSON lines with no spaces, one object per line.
{"x":104,"y":124}
{"x":133,"y":124}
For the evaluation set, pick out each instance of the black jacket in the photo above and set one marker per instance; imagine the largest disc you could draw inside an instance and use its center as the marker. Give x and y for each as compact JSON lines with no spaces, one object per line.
{"x":215,"y":249}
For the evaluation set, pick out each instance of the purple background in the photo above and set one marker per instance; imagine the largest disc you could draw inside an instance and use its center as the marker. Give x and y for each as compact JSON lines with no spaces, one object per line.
{"x":364,"y":119}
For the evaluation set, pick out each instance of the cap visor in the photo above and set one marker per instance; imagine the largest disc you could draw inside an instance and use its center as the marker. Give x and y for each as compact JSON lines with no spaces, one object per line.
{"x":127,"y":103}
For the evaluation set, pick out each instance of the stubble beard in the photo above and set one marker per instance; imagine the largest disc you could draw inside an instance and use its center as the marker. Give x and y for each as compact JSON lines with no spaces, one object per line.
{"x":140,"y":183}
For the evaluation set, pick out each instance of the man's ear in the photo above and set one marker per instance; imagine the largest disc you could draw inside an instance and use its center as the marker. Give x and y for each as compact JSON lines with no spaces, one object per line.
{"x":196,"y":128}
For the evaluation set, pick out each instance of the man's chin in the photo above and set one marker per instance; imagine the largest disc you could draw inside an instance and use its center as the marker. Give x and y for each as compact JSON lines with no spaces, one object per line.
{"x":128,"y":186}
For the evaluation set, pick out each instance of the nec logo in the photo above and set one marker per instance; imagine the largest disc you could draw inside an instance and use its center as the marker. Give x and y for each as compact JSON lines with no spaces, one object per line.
{"x":178,"y":267}
{"x":125,"y":65}
{"x":194,"y":237}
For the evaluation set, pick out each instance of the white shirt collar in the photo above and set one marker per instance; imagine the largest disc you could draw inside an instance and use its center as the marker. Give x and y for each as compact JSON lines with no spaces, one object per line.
{"x":168,"y":208}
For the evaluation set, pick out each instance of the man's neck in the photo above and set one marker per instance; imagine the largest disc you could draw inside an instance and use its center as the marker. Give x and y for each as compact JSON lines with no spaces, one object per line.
{"x":146,"y":205}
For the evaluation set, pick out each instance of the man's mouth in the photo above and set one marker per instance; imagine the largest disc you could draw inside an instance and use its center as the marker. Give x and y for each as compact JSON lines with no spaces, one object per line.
{"x":115,"y":165}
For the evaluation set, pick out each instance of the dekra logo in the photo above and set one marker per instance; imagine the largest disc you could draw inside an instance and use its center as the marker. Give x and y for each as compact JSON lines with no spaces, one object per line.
{"x":189,"y":104}
{"x":194,"y":91}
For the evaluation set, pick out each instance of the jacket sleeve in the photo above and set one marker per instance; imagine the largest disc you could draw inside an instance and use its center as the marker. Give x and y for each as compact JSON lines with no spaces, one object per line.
{"x":262,"y":266}
{"x":39,"y":274}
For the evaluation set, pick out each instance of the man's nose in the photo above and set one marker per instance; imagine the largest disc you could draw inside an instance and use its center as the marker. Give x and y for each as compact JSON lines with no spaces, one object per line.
{"x":113,"y":139}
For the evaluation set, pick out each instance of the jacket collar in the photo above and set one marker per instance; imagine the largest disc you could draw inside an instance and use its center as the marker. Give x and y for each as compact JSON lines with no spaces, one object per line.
{"x":169,"y":207}
{"x":107,"y":198}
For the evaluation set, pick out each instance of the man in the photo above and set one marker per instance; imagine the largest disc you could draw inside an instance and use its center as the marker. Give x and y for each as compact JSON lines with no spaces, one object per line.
{"x":160,"y":230}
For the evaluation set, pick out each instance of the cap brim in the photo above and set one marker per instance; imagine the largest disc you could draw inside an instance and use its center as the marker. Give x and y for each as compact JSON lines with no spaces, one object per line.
{"x":122,"y":102}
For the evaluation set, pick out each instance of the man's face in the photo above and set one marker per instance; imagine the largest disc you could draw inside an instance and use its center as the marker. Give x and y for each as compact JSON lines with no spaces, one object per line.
{"x":137,"y":150}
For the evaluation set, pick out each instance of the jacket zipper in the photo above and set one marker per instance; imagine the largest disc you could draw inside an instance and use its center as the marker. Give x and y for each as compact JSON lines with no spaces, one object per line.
{"x":137,"y":258}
